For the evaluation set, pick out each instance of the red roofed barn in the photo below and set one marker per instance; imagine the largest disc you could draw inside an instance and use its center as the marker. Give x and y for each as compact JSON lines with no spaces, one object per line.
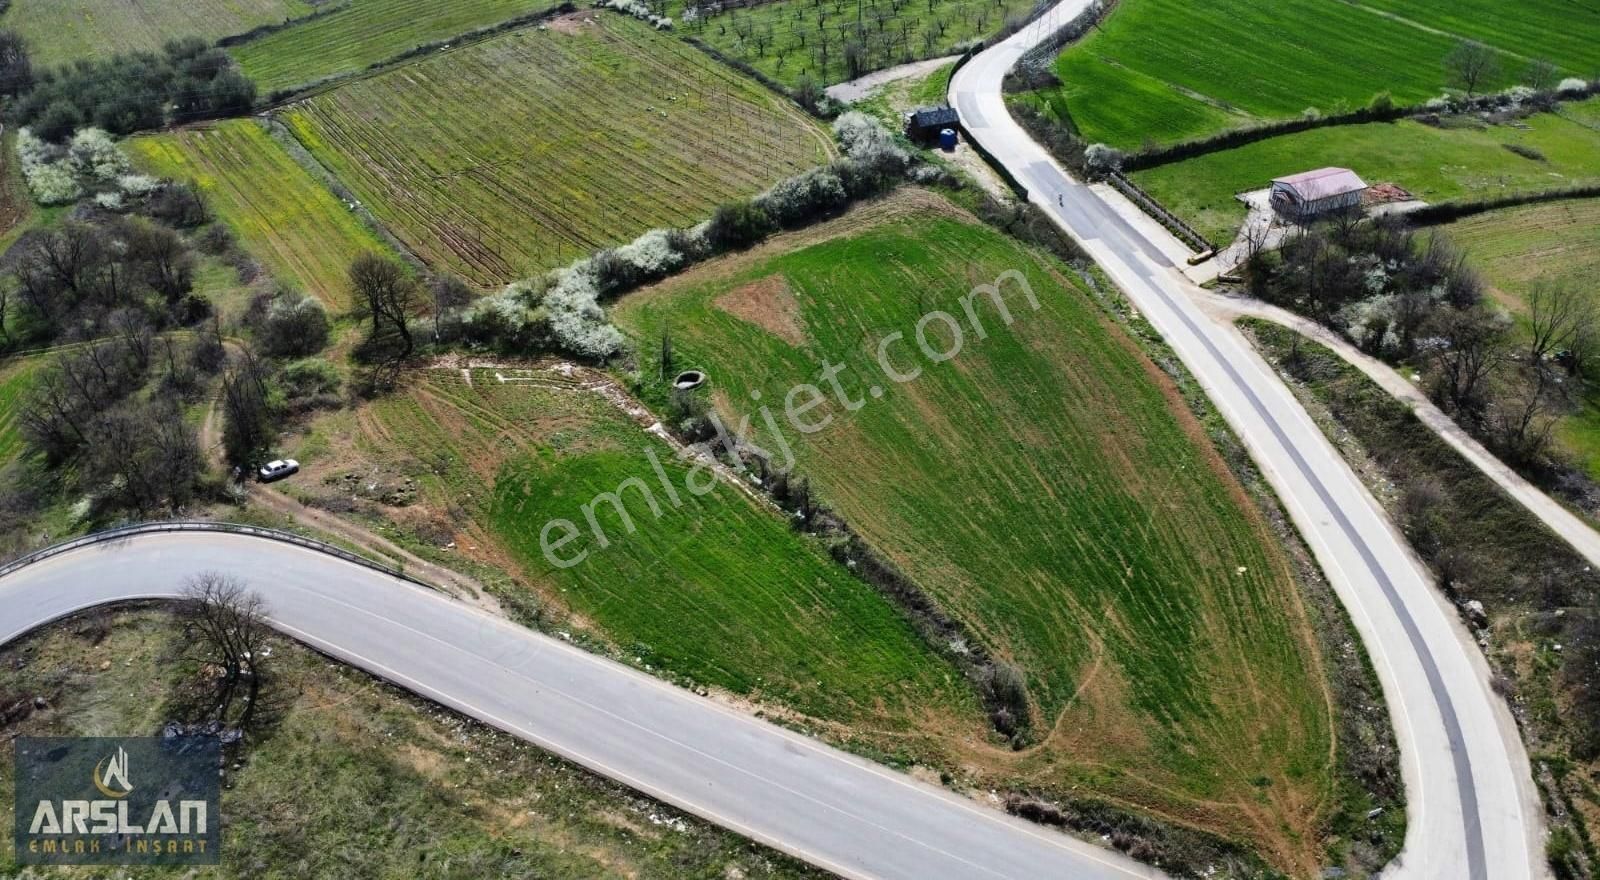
{"x":1313,"y":193}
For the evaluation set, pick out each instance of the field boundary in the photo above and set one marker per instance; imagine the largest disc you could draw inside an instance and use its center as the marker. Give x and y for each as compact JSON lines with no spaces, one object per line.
{"x":1455,"y":209}
{"x":1144,"y":160}
{"x":293,"y":94}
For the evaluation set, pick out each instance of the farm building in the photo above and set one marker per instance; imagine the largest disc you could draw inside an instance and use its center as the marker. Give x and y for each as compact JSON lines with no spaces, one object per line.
{"x":925,"y":124}
{"x":1313,"y":193}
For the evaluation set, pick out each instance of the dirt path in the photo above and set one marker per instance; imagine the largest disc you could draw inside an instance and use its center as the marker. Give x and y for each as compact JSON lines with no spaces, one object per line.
{"x":268,"y":498}
{"x":856,"y":89}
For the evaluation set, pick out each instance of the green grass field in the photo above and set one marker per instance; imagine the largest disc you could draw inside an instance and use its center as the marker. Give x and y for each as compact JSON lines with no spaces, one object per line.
{"x":16,"y":377}
{"x":60,"y":31}
{"x":280,"y":213}
{"x":1160,"y":71}
{"x":344,"y":776}
{"x":365,"y":32}
{"x":719,"y":591}
{"x":1557,"y":244}
{"x":1434,"y":164}
{"x":1051,"y":491}
{"x":526,"y":151}
{"x":786,"y":39}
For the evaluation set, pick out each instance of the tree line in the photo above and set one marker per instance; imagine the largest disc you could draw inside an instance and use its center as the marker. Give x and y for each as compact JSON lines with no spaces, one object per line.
{"x":185,"y":81}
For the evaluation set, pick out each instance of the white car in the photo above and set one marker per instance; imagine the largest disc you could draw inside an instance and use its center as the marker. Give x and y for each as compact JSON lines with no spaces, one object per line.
{"x":277,"y":470}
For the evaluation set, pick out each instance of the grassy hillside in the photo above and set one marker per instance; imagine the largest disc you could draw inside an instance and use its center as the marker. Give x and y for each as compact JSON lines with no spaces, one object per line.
{"x":282,"y":216}
{"x":1170,"y":70}
{"x":1047,"y":486}
{"x":1433,"y":163}
{"x":356,"y":779}
{"x":364,"y":32}
{"x":526,"y":151}
{"x":719,"y":590}
{"x":59,"y":31}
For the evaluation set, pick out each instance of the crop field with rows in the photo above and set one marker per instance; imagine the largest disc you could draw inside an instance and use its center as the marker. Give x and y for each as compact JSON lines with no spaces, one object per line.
{"x":1170,"y":70}
{"x":60,"y":31}
{"x":283,"y":216}
{"x":364,"y":32}
{"x":837,"y":40}
{"x":1047,"y":486}
{"x":526,"y":151}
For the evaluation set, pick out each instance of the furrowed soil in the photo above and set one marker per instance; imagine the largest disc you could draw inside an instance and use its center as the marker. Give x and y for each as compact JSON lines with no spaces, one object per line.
{"x":523,"y":152}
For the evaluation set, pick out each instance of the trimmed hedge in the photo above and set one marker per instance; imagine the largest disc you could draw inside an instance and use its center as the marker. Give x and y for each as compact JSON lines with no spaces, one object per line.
{"x":1446,"y":212}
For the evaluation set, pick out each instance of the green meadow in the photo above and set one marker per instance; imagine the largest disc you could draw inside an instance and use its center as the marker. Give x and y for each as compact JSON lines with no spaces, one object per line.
{"x":1160,"y":71}
{"x":1046,"y":486}
{"x":1468,"y":159}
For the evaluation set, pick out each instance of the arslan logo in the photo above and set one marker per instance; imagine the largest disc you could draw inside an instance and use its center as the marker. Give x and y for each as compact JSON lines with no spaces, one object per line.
{"x":139,"y":800}
{"x":116,"y":770}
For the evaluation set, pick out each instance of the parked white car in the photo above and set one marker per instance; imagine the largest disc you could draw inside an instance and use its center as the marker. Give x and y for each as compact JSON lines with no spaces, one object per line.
{"x":277,"y":470}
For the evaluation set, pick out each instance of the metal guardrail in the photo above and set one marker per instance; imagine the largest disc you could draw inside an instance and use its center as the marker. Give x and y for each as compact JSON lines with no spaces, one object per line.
{"x":120,"y":532}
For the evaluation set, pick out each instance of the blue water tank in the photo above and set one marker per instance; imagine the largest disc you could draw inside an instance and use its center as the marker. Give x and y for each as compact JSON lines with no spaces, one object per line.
{"x":947,"y":138}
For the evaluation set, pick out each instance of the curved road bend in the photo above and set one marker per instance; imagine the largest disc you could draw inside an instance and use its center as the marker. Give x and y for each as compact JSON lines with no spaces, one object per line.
{"x":841,"y":813}
{"x":1472,"y":809}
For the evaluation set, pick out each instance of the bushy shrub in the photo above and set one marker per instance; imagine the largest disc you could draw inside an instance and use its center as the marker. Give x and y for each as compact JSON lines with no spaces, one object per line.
{"x":294,"y":325}
{"x":1100,"y":157}
{"x":738,"y":225}
{"x":577,"y":322}
{"x":803,"y":198}
{"x":95,"y":156}
{"x":649,"y":257}
{"x":312,"y":383}
{"x":638,"y":10}
{"x":137,"y":185}
{"x":90,"y":161}
{"x":864,"y":140}
{"x":511,"y":320}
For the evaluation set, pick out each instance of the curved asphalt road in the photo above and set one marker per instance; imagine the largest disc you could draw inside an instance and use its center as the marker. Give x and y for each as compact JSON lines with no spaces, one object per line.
{"x":839,"y":812}
{"x":1472,"y":809}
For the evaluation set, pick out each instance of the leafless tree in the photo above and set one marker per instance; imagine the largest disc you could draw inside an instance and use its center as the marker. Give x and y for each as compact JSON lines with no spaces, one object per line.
{"x":449,"y":294}
{"x":1556,"y":317}
{"x":228,"y":624}
{"x":1473,"y":346}
{"x":387,"y":295}
{"x":1471,"y":65}
{"x":248,"y":414}
{"x":1525,"y":415}
{"x":1541,"y":75}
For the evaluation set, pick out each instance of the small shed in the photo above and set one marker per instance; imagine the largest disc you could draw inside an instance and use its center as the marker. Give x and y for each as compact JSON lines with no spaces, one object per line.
{"x":1314,"y":193}
{"x":925,"y":124}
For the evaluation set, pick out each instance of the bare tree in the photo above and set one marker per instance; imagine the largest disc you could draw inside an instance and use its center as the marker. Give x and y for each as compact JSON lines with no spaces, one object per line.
{"x":448,"y":293}
{"x":1541,"y":75}
{"x":1525,"y":415}
{"x":228,"y":624}
{"x":248,"y":413}
{"x":1556,"y":317}
{"x":388,"y":296}
{"x":1471,"y":65}
{"x":1473,"y":345}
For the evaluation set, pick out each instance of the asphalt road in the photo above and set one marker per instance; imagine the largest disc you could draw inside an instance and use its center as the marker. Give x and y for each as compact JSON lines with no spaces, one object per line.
{"x":1473,"y":812}
{"x":839,"y":812}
